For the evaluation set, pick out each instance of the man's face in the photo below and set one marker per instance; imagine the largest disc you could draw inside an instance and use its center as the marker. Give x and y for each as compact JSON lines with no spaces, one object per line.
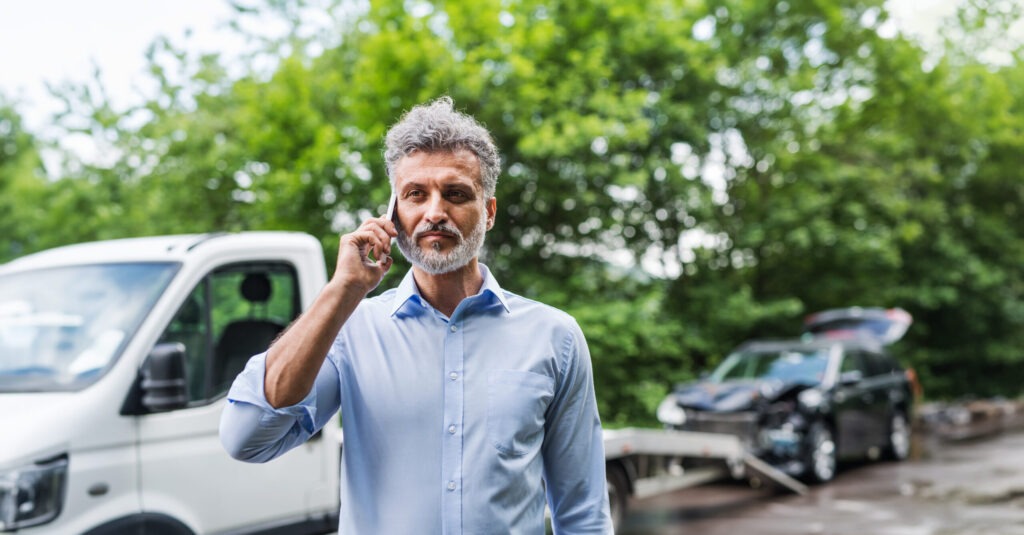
{"x":442,"y":211}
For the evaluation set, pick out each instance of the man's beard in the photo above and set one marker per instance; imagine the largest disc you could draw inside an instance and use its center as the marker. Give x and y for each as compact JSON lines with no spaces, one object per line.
{"x":433,"y":261}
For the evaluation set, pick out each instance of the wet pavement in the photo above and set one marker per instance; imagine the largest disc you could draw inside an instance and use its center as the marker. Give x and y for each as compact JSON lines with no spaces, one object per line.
{"x":972,"y":486}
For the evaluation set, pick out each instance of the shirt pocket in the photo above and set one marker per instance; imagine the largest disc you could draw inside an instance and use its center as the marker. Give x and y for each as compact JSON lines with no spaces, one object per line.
{"x":516,"y":403}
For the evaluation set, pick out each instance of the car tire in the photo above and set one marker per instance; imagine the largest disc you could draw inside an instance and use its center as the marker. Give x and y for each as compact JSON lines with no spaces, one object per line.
{"x":821,"y":462}
{"x":618,"y":493}
{"x":898,"y":437}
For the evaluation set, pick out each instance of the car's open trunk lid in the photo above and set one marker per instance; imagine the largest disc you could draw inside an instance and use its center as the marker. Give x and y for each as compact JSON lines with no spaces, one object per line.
{"x":887,"y":325}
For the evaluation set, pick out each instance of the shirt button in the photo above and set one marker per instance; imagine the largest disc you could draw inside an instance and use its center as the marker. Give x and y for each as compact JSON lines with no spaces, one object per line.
{"x":451,"y":429}
{"x":454,"y":328}
{"x":451,"y":485}
{"x":453,"y":376}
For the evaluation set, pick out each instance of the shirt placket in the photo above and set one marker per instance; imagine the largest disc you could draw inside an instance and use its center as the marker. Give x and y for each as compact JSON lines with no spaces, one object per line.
{"x":451,"y":462}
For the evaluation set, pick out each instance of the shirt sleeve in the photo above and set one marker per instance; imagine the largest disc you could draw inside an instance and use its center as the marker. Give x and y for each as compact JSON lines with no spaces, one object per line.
{"x":252,"y":430}
{"x":573,"y":450}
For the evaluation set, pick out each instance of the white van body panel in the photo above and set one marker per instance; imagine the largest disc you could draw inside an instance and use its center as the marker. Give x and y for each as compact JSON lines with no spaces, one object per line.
{"x":168,"y":463}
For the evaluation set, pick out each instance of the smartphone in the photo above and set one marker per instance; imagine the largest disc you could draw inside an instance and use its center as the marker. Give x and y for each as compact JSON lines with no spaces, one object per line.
{"x":390,"y":215}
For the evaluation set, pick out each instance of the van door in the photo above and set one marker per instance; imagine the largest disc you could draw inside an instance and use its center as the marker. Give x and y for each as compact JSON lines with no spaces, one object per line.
{"x":232,"y":314}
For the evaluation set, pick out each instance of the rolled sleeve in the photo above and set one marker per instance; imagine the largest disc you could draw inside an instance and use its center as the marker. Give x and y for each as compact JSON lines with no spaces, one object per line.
{"x":253,"y":430}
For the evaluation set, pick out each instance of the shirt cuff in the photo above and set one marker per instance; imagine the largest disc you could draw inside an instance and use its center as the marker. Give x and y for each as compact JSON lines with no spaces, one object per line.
{"x":248,"y":388}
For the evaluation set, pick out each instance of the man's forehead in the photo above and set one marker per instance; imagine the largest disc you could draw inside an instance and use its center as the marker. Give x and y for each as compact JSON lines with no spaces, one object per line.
{"x":451,"y":164}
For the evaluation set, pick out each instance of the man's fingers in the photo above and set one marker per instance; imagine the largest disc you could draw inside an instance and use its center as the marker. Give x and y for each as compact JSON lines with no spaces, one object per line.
{"x":383,"y":230}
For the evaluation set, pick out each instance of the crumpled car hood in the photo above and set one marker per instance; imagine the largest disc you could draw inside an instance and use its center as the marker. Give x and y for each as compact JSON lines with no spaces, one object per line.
{"x":726,"y":396}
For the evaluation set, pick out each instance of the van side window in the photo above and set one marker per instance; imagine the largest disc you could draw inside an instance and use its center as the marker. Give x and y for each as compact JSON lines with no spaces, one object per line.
{"x":190,"y":326}
{"x":234,"y":313}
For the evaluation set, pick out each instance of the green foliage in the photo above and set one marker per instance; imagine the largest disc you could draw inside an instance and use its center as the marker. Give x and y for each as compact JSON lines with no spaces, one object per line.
{"x":680,"y":175}
{"x":21,"y":186}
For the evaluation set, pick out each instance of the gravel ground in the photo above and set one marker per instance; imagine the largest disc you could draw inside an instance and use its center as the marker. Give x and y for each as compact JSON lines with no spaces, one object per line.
{"x":965,"y":477}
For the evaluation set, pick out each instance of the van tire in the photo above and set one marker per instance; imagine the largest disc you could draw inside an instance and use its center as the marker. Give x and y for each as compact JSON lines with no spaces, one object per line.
{"x":148,"y":523}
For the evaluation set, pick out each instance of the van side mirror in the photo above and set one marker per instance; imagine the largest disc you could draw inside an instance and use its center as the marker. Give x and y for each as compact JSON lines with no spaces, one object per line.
{"x":163,"y":378}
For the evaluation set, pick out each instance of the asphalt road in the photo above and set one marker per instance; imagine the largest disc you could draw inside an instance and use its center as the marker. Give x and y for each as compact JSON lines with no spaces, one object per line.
{"x":969,"y":487}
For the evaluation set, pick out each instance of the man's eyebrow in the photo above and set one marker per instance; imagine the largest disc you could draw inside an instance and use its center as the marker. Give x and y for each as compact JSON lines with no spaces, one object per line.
{"x":447,"y":183}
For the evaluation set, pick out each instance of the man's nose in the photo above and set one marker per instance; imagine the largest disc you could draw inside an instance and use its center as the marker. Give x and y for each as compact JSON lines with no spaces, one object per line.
{"x":436,"y":213}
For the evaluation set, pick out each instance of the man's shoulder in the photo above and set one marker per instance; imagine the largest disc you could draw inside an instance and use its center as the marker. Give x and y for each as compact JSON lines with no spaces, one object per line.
{"x":383,"y":301}
{"x":524,"y":307}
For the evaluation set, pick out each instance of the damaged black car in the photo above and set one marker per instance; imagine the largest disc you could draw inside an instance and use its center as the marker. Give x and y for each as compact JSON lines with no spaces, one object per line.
{"x":802,"y":405}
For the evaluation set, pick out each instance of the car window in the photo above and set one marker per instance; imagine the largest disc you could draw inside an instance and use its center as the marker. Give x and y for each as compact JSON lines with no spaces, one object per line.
{"x":234,"y":313}
{"x":854,"y":361}
{"x":798,"y":365}
{"x":880,"y":364}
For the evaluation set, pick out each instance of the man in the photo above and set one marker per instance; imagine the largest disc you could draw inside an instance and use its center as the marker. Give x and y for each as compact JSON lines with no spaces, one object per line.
{"x":462,"y":404}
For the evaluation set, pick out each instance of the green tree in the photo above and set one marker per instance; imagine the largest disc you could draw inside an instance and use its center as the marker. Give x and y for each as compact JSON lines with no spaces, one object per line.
{"x":22,"y":185}
{"x":679,"y":175}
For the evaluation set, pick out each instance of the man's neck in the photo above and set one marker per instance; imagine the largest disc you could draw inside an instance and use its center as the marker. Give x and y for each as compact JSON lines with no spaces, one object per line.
{"x":445,"y":291}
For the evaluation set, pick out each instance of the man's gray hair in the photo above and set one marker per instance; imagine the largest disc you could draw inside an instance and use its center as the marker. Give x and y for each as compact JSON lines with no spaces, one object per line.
{"x":437,"y":127}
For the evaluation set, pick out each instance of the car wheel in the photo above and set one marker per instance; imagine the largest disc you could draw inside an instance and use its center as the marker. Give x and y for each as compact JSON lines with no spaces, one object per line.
{"x":898,"y":447}
{"x":821,"y":455}
{"x":618,"y":493}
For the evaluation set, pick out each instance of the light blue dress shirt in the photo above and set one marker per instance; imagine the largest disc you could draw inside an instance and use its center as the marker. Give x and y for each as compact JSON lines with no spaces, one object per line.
{"x":452,"y":425}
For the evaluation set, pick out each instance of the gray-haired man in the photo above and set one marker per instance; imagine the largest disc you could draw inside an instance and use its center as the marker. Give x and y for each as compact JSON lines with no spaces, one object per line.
{"x":462,"y":403}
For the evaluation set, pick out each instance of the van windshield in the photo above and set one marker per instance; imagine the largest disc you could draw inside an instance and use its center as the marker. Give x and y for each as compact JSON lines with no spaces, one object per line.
{"x":62,"y":328}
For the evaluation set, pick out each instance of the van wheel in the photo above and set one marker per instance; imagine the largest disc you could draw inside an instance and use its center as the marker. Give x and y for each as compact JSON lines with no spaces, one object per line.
{"x":618,"y":493}
{"x":898,"y":447}
{"x":821,"y":454}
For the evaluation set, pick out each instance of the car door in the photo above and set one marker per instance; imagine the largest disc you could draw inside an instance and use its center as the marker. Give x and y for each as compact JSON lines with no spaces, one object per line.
{"x":889,"y":389}
{"x":852,"y":402}
{"x":233,"y":313}
{"x":876,"y":398}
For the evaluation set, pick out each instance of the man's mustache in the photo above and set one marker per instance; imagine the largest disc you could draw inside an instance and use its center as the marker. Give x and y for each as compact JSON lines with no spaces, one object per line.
{"x":436,"y":227}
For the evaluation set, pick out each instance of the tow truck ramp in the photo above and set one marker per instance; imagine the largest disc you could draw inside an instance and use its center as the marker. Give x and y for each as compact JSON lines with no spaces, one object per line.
{"x":645,"y":446}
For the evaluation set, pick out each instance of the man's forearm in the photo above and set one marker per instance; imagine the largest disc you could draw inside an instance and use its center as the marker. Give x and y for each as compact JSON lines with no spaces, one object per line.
{"x":295,"y":358}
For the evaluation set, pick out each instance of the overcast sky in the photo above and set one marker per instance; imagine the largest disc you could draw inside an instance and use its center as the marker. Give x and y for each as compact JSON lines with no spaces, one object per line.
{"x":57,"y":40}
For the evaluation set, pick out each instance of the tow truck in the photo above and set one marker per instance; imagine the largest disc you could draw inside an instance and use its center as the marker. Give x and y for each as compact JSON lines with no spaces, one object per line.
{"x":115,"y":358}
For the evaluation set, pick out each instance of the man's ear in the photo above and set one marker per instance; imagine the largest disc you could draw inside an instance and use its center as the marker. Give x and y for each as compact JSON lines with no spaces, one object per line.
{"x":492,"y":208}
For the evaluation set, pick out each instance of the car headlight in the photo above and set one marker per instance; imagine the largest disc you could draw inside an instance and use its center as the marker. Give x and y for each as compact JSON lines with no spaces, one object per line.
{"x":670,"y":413}
{"x":811,"y":398}
{"x":32,"y":495}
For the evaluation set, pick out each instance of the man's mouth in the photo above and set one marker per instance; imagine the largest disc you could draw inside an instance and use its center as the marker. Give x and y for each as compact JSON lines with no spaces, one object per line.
{"x":436,"y":233}
{"x":436,"y":236}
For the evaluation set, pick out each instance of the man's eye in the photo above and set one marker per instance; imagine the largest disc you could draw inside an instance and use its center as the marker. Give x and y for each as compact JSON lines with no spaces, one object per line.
{"x":457,"y":195}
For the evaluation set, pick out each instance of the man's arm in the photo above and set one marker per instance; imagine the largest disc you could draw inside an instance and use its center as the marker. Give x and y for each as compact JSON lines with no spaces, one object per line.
{"x":283,"y":396}
{"x":253,"y":431}
{"x":574,"y":469}
{"x":294,"y":360}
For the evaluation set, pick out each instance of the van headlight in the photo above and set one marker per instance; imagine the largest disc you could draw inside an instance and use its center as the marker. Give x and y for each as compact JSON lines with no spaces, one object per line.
{"x":670,"y":413}
{"x":32,"y":495}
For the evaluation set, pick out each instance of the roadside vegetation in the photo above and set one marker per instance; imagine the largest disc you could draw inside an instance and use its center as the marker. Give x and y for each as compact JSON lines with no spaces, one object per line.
{"x":681,"y":175}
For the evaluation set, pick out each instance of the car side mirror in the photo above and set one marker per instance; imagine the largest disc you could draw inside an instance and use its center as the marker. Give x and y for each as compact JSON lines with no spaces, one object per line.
{"x":163,"y":378}
{"x":851,"y":378}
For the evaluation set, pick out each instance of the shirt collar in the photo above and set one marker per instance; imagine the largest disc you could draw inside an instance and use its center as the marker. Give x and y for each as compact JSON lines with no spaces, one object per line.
{"x":408,"y":292}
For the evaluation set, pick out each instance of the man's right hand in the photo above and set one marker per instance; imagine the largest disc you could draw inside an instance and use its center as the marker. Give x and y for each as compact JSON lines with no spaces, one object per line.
{"x":364,"y":255}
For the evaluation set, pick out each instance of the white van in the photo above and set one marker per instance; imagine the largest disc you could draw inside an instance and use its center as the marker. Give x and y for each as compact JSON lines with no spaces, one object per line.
{"x":115,"y":358}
